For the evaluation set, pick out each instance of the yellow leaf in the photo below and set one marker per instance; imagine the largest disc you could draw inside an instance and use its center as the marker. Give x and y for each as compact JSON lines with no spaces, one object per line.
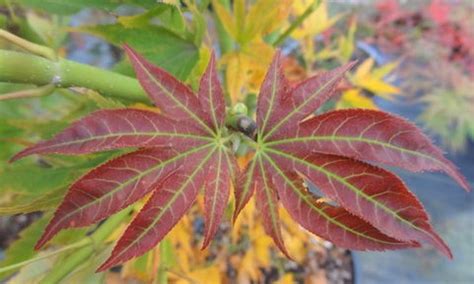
{"x":369,"y":78}
{"x":246,"y":68}
{"x":200,"y":67}
{"x":379,"y":87}
{"x":265,"y":16}
{"x":140,"y":268}
{"x":180,"y":237}
{"x":354,"y":99}
{"x":384,"y":70}
{"x":246,"y":219}
{"x":316,"y":23}
{"x":286,"y":279}
{"x":364,"y":68}
{"x":261,"y":244}
{"x":294,"y":236}
{"x":248,"y":270}
{"x":205,"y":275}
{"x":346,"y":43}
{"x":239,"y":14}
{"x":226,"y":18}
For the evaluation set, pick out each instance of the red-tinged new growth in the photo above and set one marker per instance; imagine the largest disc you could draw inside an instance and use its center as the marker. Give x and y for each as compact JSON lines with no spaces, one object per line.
{"x":331,"y":151}
{"x":184,"y":149}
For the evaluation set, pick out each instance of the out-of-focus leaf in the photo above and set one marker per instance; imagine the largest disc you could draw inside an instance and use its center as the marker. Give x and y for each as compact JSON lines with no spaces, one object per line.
{"x":346,"y":44}
{"x":20,"y":204}
{"x":245,"y":69}
{"x":264,"y":17}
{"x":164,"y":15}
{"x":316,"y":23}
{"x":33,"y":188}
{"x":226,"y":18}
{"x":286,"y":279}
{"x":142,"y":268}
{"x":372,"y":79}
{"x":354,"y":99}
{"x":33,"y":272}
{"x":50,"y":32}
{"x":159,"y":45}
{"x":448,"y":113}
{"x":204,"y":275}
{"x":66,"y":7}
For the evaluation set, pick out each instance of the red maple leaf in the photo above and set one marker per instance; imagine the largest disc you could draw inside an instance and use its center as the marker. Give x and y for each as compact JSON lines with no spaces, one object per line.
{"x":186,"y":148}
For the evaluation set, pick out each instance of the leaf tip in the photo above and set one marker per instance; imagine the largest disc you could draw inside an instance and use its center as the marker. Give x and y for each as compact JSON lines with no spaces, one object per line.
{"x":108,"y":263}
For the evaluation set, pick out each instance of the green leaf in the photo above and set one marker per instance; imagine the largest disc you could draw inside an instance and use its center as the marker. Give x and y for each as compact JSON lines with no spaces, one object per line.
{"x":159,"y":45}
{"x":65,"y":7}
{"x":27,"y":187}
{"x":165,"y":15}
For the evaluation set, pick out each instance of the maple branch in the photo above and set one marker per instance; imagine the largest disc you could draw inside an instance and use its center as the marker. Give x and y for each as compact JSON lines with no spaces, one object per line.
{"x":23,"y":68}
{"x":34,"y":48}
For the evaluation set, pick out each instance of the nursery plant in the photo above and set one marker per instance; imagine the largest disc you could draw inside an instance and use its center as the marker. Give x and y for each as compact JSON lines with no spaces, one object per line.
{"x":166,"y":140}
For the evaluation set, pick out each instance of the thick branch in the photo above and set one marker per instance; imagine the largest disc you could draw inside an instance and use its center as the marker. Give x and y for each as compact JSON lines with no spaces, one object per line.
{"x":17,"y":67}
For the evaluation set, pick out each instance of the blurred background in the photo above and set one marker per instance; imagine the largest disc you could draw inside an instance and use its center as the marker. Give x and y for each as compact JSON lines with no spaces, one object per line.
{"x":414,"y":59}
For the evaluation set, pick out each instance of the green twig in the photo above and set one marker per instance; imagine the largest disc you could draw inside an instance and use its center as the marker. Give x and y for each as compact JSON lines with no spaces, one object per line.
{"x":311,"y":8}
{"x":34,"y":48}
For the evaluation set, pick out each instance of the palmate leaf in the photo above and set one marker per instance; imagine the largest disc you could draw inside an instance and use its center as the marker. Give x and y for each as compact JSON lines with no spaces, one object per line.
{"x":377,"y":211}
{"x":183,"y":149}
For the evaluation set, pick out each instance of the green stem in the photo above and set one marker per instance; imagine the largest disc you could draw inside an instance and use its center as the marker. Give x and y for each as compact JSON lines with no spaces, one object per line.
{"x":16,"y":67}
{"x":165,"y":261}
{"x":311,"y":8}
{"x":64,"y":268}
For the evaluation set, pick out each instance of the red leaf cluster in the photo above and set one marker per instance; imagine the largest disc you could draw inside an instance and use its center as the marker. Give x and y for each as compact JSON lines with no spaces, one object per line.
{"x":186,"y":148}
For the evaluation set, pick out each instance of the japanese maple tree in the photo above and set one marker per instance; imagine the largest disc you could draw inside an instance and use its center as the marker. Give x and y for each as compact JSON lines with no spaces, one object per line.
{"x":187,"y":147}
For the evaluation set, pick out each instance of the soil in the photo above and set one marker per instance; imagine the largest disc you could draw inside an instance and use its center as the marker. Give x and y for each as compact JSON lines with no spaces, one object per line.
{"x":10,"y":226}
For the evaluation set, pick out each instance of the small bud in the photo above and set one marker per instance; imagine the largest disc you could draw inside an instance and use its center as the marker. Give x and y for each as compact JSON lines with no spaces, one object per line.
{"x":240,"y":109}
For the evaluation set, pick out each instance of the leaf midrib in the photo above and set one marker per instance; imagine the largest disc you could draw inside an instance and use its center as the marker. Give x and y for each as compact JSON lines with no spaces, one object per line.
{"x":169,"y":204}
{"x":273,"y":214}
{"x":272,"y":98}
{"x":216,"y":189}
{"x":352,"y":188}
{"x":349,"y":139}
{"x":297,"y":109}
{"x":320,"y":211}
{"x":137,"y":177}
{"x":171,"y":96}
{"x":112,"y":135}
